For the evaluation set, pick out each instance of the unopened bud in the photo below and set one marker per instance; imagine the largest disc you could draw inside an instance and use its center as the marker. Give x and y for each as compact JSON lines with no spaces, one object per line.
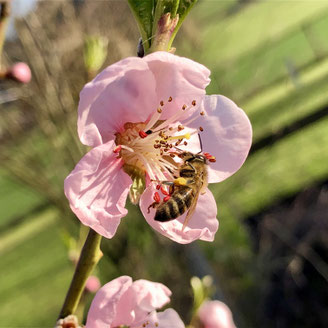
{"x":68,"y":322}
{"x":92,"y":284}
{"x":19,"y":72}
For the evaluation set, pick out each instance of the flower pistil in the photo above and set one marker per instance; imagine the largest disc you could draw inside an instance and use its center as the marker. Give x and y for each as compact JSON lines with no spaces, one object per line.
{"x":151,"y":146}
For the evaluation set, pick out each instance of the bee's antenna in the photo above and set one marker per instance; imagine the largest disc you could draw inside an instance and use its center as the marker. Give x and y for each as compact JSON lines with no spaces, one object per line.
{"x":200,"y":143}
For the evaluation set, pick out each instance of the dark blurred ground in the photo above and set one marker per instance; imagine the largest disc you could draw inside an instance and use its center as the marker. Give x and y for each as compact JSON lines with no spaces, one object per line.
{"x":291,"y":245}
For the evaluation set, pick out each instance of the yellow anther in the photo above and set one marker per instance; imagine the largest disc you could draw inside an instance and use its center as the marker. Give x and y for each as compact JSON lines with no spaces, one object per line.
{"x":184,"y":136}
{"x":180,"y":181}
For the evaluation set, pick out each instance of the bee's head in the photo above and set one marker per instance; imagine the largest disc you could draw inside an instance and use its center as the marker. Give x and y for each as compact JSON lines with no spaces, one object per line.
{"x":190,"y":157}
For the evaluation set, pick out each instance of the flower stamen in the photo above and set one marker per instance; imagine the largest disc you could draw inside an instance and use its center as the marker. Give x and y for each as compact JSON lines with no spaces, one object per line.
{"x":117,"y":149}
{"x":157,"y":197}
{"x":143,"y":134}
{"x":210,"y":157}
{"x":127,"y":148}
{"x":164,"y":192}
{"x":149,"y":146}
{"x":180,"y":137}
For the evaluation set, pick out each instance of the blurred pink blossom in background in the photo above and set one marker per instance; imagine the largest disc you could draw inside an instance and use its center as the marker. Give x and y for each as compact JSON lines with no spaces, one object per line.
{"x":124,"y":113}
{"x":92,"y":284}
{"x":123,"y":302}
{"x":215,"y":314}
{"x":19,"y":72}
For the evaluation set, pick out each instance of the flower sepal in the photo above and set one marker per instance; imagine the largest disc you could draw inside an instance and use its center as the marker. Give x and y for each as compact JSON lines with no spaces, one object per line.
{"x":138,"y":186}
{"x":164,"y":32}
{"x":159,"y":22}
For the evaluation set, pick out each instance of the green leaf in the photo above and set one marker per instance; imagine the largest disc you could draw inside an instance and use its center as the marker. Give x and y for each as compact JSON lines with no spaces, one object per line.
{"x":183,"y":10}
{"x":143,"y":13}
{"x":170,"y":6}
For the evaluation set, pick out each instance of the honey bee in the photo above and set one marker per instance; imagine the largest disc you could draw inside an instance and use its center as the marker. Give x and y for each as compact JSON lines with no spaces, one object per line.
{"x":192,"y":181}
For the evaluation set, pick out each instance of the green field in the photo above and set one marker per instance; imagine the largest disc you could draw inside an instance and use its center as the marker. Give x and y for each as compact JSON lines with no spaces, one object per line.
{"x":31,"y":291}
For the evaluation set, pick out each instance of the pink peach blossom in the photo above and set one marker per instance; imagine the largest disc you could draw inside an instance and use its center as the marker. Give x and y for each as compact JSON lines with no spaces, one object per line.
{"x":134,"y":114}
{"x":215,"y":314}
{"x":92,"y":284}
{"x":20,"y":72}
{"x":123,"y":302}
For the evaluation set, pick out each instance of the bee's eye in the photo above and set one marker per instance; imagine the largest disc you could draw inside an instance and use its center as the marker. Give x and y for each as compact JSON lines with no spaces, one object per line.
{"x":149,"y":132}
{"x":201,"y":158}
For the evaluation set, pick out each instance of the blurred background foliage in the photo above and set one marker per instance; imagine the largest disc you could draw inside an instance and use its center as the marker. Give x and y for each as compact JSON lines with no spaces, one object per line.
{"x":269,"y":259}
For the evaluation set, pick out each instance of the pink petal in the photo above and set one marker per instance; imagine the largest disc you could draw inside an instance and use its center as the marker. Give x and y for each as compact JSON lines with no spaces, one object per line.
{"x":97,"y":189}
{"x":215,"y":314}
{"x":130,"y":91}
{"x":140,"y":299}
{"x":104,"y":306}
{"x":167,"y":319}
{"x":123,"y":92}
{"x":202,"y":225}
{"x":150,"y":295}
{"x":180,"y":78}
{"x":227,"y":135}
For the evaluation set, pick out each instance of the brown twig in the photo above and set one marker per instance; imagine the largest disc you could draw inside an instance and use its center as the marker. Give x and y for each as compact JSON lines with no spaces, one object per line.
{"x":90,"y":255}
{"x":4,"y":16}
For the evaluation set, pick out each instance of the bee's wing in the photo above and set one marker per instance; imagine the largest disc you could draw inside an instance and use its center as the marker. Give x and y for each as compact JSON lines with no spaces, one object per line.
{"x":191,"y":211}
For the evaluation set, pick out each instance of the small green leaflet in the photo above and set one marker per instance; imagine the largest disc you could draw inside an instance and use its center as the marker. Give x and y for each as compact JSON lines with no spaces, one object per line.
{"x":148,"y":12}
{"x":143,"y":13}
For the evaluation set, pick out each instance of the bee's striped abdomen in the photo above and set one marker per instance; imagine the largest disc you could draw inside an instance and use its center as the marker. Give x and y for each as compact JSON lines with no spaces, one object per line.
{"x":179,"y":202}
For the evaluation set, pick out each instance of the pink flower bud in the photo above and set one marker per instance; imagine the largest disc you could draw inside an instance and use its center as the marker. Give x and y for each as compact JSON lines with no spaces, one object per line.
{"x":20,"y":72}
{"x":68,"y":322}
{"x":215,"y":314}
{"x":92,"y":284}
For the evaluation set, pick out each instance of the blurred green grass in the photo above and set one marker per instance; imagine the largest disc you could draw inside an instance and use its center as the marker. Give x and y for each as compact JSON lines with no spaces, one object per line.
{"x":10,"y":192}
{"x":253,"y":54}
{"x":277,"y":171}
{"x":231,"y":37}
{"x":35,"y":274}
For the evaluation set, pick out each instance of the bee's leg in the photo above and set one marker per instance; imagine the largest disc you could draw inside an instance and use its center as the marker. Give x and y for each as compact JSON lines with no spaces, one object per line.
{"x":152,"y":205}
{"x":168,"y":183}
{"x":171,"y":189}
{"x":165,"y":182}
{"x":204,"y":185}
{"x":193,"y":168}
{"x":171,"y":185}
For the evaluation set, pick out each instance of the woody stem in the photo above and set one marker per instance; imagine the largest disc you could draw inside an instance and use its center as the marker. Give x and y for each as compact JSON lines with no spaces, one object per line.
{"x":5,"y":8}
{"x":90,"y":255}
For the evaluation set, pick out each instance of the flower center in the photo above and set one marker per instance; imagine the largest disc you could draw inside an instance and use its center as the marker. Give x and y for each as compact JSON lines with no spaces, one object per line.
{"x":152,"y":145}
